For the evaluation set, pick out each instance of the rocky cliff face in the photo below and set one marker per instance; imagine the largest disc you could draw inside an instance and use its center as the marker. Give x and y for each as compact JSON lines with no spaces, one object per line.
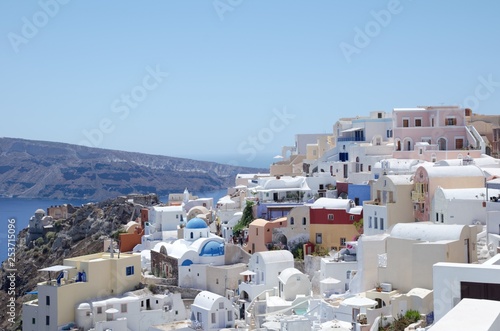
{"x":37,"y":169}
{"x":82,"y":233}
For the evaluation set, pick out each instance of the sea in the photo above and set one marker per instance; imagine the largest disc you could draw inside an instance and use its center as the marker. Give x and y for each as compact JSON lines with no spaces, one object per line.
{"x":15,"y":213}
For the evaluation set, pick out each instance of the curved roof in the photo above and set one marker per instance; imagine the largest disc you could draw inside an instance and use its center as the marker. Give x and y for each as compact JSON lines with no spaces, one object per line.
{"x":83,"y":306}
{"x":196,"y":223}
{"x":206,"y":299}
{"x":200,"y":209}
{"x":330,"y":203}
{"x":468,"y":193}
{"x":298,"y":182}
{"x":454,"y":171}
{"x":212,"y":248}
{"x":259,"y":222}
{"x":427,"y":231}
{"x":276,"y":256}
{"x":287,"y":273}
{"x":40,"y":211}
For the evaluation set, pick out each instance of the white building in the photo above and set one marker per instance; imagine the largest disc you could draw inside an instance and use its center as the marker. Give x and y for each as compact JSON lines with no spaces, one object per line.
{"x":336,"y":275}
{"x":454,"y":282}
{"x":135,"y":311}
{"x":460,"y":206}
{"x":266,"y":267}
{"x":356,"y":146}
{"x":211,"y":311}
{"x":166,"y":218}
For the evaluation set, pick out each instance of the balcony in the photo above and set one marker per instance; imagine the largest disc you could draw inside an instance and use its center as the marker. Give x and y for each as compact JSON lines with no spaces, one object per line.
{"x":417,"y":197}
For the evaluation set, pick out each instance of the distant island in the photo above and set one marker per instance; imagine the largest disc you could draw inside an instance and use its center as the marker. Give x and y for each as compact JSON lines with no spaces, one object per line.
{"x":41,"y":169}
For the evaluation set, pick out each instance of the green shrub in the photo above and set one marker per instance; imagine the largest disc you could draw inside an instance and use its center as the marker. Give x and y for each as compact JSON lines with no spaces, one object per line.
{"x":39,"y":241}
{"x":50,"y":235}
{"x":412,"y":315}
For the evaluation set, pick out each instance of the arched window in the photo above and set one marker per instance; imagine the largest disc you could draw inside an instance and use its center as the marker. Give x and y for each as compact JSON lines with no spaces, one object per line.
{"x":291,"y":221}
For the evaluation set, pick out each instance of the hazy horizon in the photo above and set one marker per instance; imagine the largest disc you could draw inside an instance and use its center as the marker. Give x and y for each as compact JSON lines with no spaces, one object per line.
{"x":236,"y":79}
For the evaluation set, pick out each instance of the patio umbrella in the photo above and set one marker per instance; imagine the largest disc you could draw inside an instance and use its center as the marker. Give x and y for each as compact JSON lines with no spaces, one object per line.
{"x":278,"y":157}
{"x":359,"y":301}
{"x":330,"y":280}
{"x":111,"y":311}
{"x":247,"y":273}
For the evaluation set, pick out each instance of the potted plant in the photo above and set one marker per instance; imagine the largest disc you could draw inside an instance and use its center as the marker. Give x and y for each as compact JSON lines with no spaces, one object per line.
{"x":378,"y":287}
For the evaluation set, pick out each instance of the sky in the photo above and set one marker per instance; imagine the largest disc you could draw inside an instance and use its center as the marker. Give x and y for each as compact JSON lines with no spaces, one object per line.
{"x":233,"y":81}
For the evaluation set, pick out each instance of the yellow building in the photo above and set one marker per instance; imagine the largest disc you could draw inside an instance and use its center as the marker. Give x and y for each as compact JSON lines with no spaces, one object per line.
{"x":79,"y":280}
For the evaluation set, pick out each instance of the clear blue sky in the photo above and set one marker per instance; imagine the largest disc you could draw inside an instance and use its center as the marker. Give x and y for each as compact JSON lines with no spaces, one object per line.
{"x":232,"y":66}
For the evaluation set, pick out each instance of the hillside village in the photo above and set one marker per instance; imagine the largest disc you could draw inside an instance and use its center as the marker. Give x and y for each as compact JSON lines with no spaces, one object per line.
{"x":389,"y":222}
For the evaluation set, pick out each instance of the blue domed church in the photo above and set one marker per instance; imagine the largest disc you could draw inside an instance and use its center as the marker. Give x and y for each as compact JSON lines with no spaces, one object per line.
{"x":194,"y":253}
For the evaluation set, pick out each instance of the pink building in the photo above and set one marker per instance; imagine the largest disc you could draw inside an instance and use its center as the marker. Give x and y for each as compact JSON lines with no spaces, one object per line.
{"x":428,"y":179}
{"x":434,"y":133}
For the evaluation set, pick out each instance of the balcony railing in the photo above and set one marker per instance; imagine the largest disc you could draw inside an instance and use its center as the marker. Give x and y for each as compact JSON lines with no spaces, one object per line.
{"x":417,"y":196}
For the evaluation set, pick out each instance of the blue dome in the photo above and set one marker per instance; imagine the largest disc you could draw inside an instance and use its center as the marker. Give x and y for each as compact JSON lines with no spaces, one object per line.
{"x":212,"y":248}
{"x":196,"y":223}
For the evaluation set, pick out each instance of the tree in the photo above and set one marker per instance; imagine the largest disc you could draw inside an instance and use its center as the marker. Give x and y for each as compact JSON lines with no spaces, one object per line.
{"x":246,"y":218}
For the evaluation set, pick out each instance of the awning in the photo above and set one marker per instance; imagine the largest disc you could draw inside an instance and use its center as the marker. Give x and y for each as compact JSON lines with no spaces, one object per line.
{"x":352,"y":130}
{"x":111,"y":311}
{"x":57,"y":268}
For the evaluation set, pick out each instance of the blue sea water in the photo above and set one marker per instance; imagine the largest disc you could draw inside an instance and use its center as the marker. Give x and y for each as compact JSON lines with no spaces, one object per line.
{"x":22,"y":209}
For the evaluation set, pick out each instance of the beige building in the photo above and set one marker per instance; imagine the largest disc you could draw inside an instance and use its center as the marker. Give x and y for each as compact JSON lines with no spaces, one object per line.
{"x":412,"y":250}
{"x":79,"y":280}
{"x":391,"y":204}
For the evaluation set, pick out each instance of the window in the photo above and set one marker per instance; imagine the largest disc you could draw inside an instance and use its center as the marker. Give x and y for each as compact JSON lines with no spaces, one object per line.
{"x":229,"y":316}
{"x":291,"y":221}
{"x":198,"y":317}
{"x":351,"y":217}
{"x":451,"y":121}
{"x":348,"y":274}
{"x":459,"y":143}
{"x":304,"y":221}
{"x":370,"y":222}
{"x":319,"y":238}
{"x":406,"y":122}
{"x":47,"y":320}
{"x":177,"y":216}
{"x":221,"y":305}
{"x":213,"y":318}
{"x":375,"y":223}
{"x":129,"y":271}
{"x":124,"y":308}
{"x":330,"y":217}
{"x":191,"y":236}
{"x":217,"y":281}
{"x":47,"y":300}
{"x":99,"y":310}
{"x":33,"y":321}
{"x":256,"y":231}
{"x":342,"y":242}
{"x":418,"y":122}
{"x":381,"y":223}
{"x":389,"y":133}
